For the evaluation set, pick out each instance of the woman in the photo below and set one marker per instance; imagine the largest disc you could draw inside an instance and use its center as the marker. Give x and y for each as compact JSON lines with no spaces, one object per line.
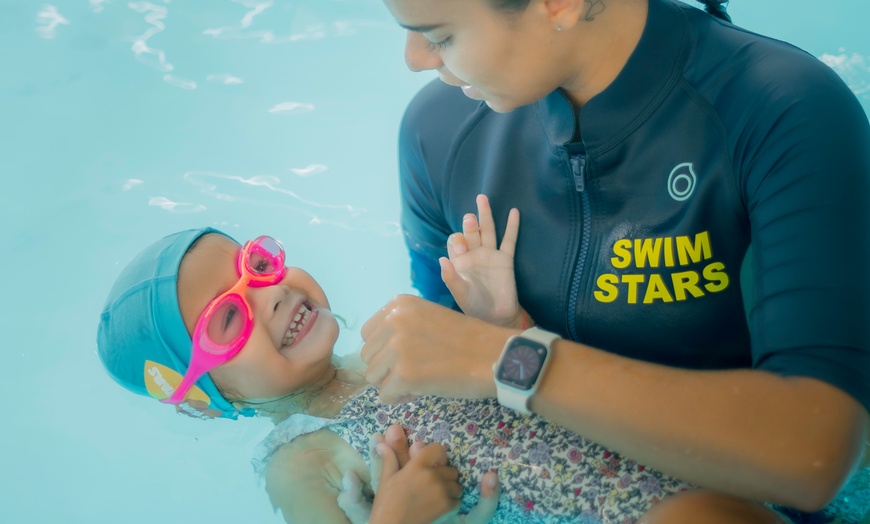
{"x":697,"y":232}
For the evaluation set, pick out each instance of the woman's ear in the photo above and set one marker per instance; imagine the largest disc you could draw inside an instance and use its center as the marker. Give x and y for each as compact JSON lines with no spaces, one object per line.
{"x":564,"y":14}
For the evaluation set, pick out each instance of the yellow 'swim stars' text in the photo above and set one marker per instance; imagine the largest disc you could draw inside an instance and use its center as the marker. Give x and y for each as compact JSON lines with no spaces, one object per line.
{"x":665,"y":254}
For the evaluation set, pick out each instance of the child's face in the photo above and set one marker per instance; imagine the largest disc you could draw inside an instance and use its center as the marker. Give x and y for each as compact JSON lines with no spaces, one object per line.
{"x":267,"y":366}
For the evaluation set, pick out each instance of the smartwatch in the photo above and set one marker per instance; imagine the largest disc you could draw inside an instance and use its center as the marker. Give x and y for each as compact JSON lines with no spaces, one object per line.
{"x":521,"y":366}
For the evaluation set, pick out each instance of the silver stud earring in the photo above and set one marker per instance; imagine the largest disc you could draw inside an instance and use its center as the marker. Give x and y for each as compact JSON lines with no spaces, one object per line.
{"x":558,"y":29}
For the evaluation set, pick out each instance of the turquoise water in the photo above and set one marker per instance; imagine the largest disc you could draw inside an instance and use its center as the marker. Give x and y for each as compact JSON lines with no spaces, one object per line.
{"x":123,"y":121}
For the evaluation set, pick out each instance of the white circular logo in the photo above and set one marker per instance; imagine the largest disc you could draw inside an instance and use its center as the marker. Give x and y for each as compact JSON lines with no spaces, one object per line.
{"x":681,"y":182}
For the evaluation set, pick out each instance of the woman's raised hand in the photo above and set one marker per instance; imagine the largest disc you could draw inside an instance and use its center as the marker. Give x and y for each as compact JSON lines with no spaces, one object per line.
{"x":478,"y":272}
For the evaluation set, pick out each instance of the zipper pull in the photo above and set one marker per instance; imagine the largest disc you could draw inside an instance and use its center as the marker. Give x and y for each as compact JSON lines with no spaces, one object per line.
{"x":578,"y":167}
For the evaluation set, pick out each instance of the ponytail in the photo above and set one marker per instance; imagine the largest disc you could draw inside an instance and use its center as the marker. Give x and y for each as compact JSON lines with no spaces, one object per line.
{"x":716,"y":8}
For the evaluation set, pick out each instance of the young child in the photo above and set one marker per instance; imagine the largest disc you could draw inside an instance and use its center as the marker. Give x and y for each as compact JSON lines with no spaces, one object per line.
{"x":222,"y":331}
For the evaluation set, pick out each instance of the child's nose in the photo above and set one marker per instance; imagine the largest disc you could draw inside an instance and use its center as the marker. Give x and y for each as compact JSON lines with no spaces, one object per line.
{"x":267,"y":299}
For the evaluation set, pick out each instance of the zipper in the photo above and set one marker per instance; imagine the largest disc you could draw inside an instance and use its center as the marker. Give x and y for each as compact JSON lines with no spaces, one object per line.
{"x":578,"y":170}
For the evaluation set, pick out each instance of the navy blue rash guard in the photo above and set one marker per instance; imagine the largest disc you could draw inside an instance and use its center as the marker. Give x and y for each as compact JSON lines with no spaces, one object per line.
{"x":635,"y":234}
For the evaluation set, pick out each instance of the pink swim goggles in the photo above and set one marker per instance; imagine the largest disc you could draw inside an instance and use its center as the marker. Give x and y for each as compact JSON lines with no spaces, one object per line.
{"x":217,"y":338}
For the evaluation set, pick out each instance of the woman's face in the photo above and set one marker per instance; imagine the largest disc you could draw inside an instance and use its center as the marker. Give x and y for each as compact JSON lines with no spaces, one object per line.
{"x":267,"y":366}
{"x":503,"y":58}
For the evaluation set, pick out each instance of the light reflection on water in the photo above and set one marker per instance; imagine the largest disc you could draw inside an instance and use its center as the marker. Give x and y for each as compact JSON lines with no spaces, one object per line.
{"x":124,"y":121}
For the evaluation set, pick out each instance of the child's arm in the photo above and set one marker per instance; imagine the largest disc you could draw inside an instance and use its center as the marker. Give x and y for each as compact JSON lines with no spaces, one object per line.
{"x":301,"y":481}
{"x":305,"y":477}
{"x":479,"y":274}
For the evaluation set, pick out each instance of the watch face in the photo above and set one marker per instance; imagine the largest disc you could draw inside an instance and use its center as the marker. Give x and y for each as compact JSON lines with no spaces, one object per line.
{"x":522,"y":363}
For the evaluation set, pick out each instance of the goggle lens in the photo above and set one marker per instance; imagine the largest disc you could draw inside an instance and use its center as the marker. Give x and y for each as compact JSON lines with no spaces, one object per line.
{"x":265,"y":257}
{"x":225,"y":325}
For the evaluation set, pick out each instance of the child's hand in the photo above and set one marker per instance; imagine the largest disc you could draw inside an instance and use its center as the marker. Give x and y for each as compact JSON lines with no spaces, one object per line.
{"x":484,"y":511}
{"x":394,"y":437}
{"x":352,"y":501}
{"x":396,"y":449}
{"x":479,"y":274}
{"x":422,"y":491}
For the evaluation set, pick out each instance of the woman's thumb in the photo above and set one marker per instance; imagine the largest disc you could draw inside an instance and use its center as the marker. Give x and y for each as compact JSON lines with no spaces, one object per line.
{"x":457,"y":286}
{"x":488,"y":501}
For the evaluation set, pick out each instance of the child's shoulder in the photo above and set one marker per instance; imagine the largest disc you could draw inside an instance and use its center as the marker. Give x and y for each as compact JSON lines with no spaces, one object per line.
{"x":321,"y":454}
{"x":304,"y":476}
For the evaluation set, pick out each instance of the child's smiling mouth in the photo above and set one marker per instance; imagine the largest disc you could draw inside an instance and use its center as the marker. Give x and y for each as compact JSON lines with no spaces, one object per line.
{"x":299,"y":325}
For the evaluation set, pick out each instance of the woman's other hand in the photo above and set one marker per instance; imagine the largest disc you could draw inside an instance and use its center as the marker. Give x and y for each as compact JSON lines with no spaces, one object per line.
{"x":478,"y":273}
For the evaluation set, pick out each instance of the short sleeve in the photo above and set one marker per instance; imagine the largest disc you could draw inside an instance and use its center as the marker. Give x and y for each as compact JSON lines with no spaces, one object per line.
{"x":806,"y":167}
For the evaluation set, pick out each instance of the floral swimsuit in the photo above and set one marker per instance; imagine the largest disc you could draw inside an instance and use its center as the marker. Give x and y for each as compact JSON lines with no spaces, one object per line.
{"x":547,"y":473}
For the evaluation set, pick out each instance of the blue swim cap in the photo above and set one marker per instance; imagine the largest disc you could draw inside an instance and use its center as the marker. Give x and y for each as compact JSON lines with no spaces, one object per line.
{"x":142,"y":341}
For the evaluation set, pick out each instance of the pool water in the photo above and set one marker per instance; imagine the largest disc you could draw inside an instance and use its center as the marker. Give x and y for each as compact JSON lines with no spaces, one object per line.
{"x":121,"y":122}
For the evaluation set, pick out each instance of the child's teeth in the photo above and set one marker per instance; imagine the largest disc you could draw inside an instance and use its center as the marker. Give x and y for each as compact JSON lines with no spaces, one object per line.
{"x":299,"y":320}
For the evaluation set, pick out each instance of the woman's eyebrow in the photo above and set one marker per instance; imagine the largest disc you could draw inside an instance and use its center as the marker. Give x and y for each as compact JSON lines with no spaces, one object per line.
{"x":421,"y":28}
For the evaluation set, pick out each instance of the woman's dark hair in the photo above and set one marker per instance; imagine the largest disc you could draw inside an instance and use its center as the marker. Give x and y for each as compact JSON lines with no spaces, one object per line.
{"x":714,"y":7}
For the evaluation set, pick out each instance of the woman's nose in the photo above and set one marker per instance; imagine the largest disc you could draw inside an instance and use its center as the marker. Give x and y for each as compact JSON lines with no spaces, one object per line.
{"x":419,"y":54}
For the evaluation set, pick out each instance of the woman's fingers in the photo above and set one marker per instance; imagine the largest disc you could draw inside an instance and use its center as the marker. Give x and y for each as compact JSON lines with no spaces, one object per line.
{"x":373,"y":325}
{"x":379,"y":362}
{"x":488,"y":501}
{"x":456,"y":245}
{"x":471,"y":231}
{"x":398,"y":442}
{"x":486,"y":225}
{"x":509,"y":242}
{"x":457,"y":285}
{"x":480,"y":231}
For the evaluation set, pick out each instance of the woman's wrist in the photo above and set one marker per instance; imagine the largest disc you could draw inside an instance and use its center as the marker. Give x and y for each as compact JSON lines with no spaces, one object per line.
{"x":527,"y":321}
{"x":521,"y":320}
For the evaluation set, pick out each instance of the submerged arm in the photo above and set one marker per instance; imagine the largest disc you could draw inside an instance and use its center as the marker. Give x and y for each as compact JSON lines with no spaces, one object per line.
{"x":305,"y":478}
{"x":301,"y":482}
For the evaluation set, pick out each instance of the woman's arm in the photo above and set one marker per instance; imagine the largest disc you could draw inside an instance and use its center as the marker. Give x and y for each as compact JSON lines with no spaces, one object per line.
{"x":750,"y":433}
